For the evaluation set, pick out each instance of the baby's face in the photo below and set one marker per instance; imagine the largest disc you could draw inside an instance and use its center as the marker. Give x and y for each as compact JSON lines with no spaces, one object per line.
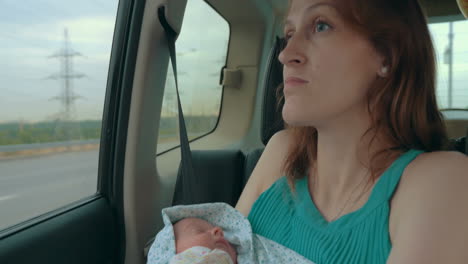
{"x":191,"y":232}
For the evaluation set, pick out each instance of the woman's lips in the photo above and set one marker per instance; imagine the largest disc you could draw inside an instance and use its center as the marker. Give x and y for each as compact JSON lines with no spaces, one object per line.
{"x":291,"y":82}
{"x":294,"y":80}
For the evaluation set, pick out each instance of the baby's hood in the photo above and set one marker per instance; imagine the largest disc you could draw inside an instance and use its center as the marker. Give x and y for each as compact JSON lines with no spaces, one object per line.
{"x":236,"y":228}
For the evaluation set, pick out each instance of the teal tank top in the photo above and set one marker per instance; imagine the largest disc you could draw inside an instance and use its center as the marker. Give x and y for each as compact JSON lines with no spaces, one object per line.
{"x":359,"y":237}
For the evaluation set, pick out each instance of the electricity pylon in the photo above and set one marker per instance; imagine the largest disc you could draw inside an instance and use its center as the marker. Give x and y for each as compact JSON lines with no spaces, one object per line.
{"x":66,"y":126}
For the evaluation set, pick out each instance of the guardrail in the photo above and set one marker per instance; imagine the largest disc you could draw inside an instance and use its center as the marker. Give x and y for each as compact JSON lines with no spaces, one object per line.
{"x":36,"y":146}
{"x":7,"y":151}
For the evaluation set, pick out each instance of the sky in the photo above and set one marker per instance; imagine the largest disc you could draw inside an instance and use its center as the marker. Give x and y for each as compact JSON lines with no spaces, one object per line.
{"x":33,"y":30}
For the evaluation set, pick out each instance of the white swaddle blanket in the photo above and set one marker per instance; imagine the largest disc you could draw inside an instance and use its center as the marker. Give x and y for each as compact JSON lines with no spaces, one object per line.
{"x":251,"y":248}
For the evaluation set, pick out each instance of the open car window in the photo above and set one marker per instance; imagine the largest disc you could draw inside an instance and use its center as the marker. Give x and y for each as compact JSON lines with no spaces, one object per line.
{"x":53,"y":75}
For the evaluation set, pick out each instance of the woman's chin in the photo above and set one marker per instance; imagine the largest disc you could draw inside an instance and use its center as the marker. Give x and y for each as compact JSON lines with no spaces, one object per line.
{"x":294,"y":113}
{"x":300,"y":118}
{"x":295,"y":119}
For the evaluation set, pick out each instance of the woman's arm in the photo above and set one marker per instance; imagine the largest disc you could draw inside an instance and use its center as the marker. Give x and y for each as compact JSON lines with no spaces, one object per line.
{"x":266,"y":172}
{"x":433,"y":224}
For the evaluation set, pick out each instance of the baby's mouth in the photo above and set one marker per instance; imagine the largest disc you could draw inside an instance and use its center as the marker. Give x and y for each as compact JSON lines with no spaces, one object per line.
{"x":223,"y":244}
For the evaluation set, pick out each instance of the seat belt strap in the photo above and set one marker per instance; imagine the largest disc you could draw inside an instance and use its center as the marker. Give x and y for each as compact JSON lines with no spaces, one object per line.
{"x":187,"y":174}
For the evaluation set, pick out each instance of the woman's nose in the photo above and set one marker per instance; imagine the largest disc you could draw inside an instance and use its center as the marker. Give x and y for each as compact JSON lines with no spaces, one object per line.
{"x":292,"y":54}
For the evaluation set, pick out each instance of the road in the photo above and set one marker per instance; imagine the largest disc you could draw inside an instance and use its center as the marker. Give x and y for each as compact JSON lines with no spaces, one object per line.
{"x":35,"y":185}
{"x":32,"y":186}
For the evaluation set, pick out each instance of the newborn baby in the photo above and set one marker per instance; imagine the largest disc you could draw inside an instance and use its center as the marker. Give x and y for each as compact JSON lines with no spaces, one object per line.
{"x":198,"y":241}
{"x":214,"y":233}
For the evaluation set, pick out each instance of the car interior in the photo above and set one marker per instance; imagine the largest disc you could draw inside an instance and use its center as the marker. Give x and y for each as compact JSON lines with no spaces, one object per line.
{"x":135,"y":180}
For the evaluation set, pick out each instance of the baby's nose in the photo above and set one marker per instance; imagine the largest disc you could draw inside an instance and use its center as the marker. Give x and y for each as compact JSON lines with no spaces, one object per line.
{"x":217,"y":231}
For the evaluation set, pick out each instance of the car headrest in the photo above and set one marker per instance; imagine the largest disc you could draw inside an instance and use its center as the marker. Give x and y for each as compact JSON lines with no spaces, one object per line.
{"x":272,"y":120}
{"x":459,"y":144}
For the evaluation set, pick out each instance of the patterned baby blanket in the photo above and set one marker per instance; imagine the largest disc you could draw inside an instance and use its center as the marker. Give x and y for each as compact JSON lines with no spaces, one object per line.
{"x":251,"y":248}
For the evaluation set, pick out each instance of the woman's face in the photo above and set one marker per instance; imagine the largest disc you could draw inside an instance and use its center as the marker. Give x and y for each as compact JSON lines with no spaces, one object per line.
{"x":328,"y":66}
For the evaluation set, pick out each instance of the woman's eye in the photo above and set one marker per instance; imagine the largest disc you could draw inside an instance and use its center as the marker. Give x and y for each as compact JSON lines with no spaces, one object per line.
{"x":321,"y":26}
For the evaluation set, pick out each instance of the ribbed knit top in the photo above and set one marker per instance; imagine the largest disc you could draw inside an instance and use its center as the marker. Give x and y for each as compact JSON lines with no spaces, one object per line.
{"x":360,"y":237}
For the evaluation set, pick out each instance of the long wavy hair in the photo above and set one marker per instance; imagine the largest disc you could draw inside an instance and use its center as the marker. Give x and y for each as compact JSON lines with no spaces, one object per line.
{"x":402,"y":106}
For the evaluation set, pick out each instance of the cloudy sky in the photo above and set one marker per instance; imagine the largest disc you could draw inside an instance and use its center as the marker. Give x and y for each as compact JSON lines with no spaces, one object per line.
{"x":33,"y":30}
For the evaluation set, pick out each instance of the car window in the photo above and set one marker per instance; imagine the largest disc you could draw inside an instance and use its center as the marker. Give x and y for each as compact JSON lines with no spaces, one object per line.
{"x":53,"y":73}
{"x":201,"y":53}
{"x":451,"y":45}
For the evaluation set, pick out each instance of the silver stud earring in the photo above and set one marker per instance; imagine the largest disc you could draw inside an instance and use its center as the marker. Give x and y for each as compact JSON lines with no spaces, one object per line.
{"x":384,"y":70}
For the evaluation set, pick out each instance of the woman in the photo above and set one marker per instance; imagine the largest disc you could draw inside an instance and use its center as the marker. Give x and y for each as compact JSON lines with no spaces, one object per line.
{"x":364,"y":178}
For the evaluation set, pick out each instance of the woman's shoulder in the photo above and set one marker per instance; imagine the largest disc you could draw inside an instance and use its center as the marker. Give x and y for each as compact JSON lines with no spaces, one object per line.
{"x":270,"y":166}
{"x":268,"y":170}
{"x":433,"y":195}
{"x":432,"y":167}
{"x":440,"y":171}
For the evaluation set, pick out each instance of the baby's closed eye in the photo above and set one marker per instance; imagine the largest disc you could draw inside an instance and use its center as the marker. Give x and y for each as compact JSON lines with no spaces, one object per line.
{"x":195,"y":230}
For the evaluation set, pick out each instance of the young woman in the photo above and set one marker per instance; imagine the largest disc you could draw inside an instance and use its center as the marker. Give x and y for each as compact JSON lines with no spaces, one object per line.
{"x":358,"y":175}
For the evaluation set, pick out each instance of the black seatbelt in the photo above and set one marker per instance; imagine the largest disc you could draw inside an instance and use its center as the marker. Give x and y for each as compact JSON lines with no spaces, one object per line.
{"x":187,"y":175}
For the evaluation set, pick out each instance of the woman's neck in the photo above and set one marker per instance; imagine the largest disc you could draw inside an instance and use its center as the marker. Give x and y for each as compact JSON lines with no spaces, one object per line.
{"x":343,"y":156}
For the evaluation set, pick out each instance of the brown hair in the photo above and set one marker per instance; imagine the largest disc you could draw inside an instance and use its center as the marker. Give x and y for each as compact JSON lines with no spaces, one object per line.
{"x":403,"y":105}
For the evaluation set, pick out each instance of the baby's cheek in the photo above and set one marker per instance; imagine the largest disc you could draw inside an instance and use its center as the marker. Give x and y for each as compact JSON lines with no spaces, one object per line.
{"x":233,"y":253}
{"x":203,"y":241}
{"x":184,"y":244}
